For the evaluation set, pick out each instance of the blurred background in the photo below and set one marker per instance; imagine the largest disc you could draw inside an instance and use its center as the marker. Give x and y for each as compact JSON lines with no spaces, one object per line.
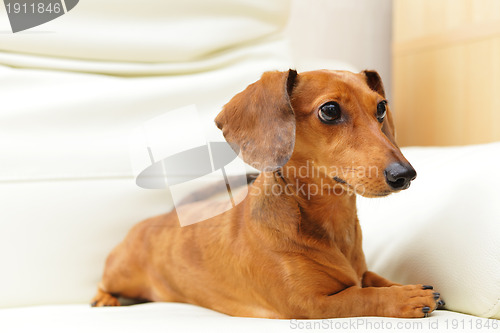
{"x":439,"y":59}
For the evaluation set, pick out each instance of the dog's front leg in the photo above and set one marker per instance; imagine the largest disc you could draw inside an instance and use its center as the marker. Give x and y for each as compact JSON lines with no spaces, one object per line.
{"x":371,"y":279}
{"x":409,"y":301}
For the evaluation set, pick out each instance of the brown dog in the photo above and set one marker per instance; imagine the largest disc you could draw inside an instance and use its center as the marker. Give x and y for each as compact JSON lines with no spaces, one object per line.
{"x":292,"y":248}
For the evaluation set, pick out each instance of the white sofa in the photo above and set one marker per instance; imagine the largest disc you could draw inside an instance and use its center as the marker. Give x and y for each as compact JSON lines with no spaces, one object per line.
{"x":74,"y":88}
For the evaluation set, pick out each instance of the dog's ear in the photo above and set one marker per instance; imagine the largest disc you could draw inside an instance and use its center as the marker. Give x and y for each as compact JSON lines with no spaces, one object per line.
{"x":259,"y":122}
{"x":374,"y":81}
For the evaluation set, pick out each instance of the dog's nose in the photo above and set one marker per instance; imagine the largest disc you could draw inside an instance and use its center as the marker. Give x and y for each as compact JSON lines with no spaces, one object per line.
{"x":399,"y":176}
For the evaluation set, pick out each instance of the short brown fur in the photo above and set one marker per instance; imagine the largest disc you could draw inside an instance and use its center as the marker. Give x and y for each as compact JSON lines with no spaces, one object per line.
{"x":280,"y":255}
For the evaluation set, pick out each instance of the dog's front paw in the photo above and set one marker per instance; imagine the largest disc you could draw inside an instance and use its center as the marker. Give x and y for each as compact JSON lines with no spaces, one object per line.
{"x":416,"y":301}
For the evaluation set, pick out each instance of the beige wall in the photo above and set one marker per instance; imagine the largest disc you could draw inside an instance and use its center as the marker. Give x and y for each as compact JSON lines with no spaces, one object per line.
{"x":357,"y":32}
{"x":446,"y":82}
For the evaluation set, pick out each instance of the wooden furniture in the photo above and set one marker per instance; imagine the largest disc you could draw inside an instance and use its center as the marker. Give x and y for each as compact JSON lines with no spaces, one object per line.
{"x":446,"y":71}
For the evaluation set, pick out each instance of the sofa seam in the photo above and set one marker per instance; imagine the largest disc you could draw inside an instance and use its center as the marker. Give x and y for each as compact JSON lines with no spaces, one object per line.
{"x":494,"y":306}
{"x":64,"y":178}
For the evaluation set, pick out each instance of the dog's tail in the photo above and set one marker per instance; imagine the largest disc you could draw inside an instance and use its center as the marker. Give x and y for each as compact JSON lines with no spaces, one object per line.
{"x":213,"y":189}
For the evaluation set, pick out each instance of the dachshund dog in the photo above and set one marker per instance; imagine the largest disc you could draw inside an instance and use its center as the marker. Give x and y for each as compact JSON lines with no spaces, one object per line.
{"x":292,"y":248}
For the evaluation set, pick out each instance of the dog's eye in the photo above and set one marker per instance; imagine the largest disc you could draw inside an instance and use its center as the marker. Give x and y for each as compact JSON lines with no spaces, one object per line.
{"x":381,"y":111}
{"x":329,"y":112}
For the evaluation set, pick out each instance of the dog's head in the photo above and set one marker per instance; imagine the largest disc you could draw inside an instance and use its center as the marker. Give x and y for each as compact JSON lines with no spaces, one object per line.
{"x":336,"y":122}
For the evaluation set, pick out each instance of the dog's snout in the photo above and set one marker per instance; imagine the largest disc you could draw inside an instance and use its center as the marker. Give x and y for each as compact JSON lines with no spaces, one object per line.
{"x":399,"y":176}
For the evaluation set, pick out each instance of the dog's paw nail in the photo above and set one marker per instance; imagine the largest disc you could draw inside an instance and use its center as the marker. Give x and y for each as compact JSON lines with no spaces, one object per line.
{"x":436,"y":295}
{"x":441,"y":303}
{"x":93,"y":304}
{"x":426,"y":309}
{"x":425,"y":287}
